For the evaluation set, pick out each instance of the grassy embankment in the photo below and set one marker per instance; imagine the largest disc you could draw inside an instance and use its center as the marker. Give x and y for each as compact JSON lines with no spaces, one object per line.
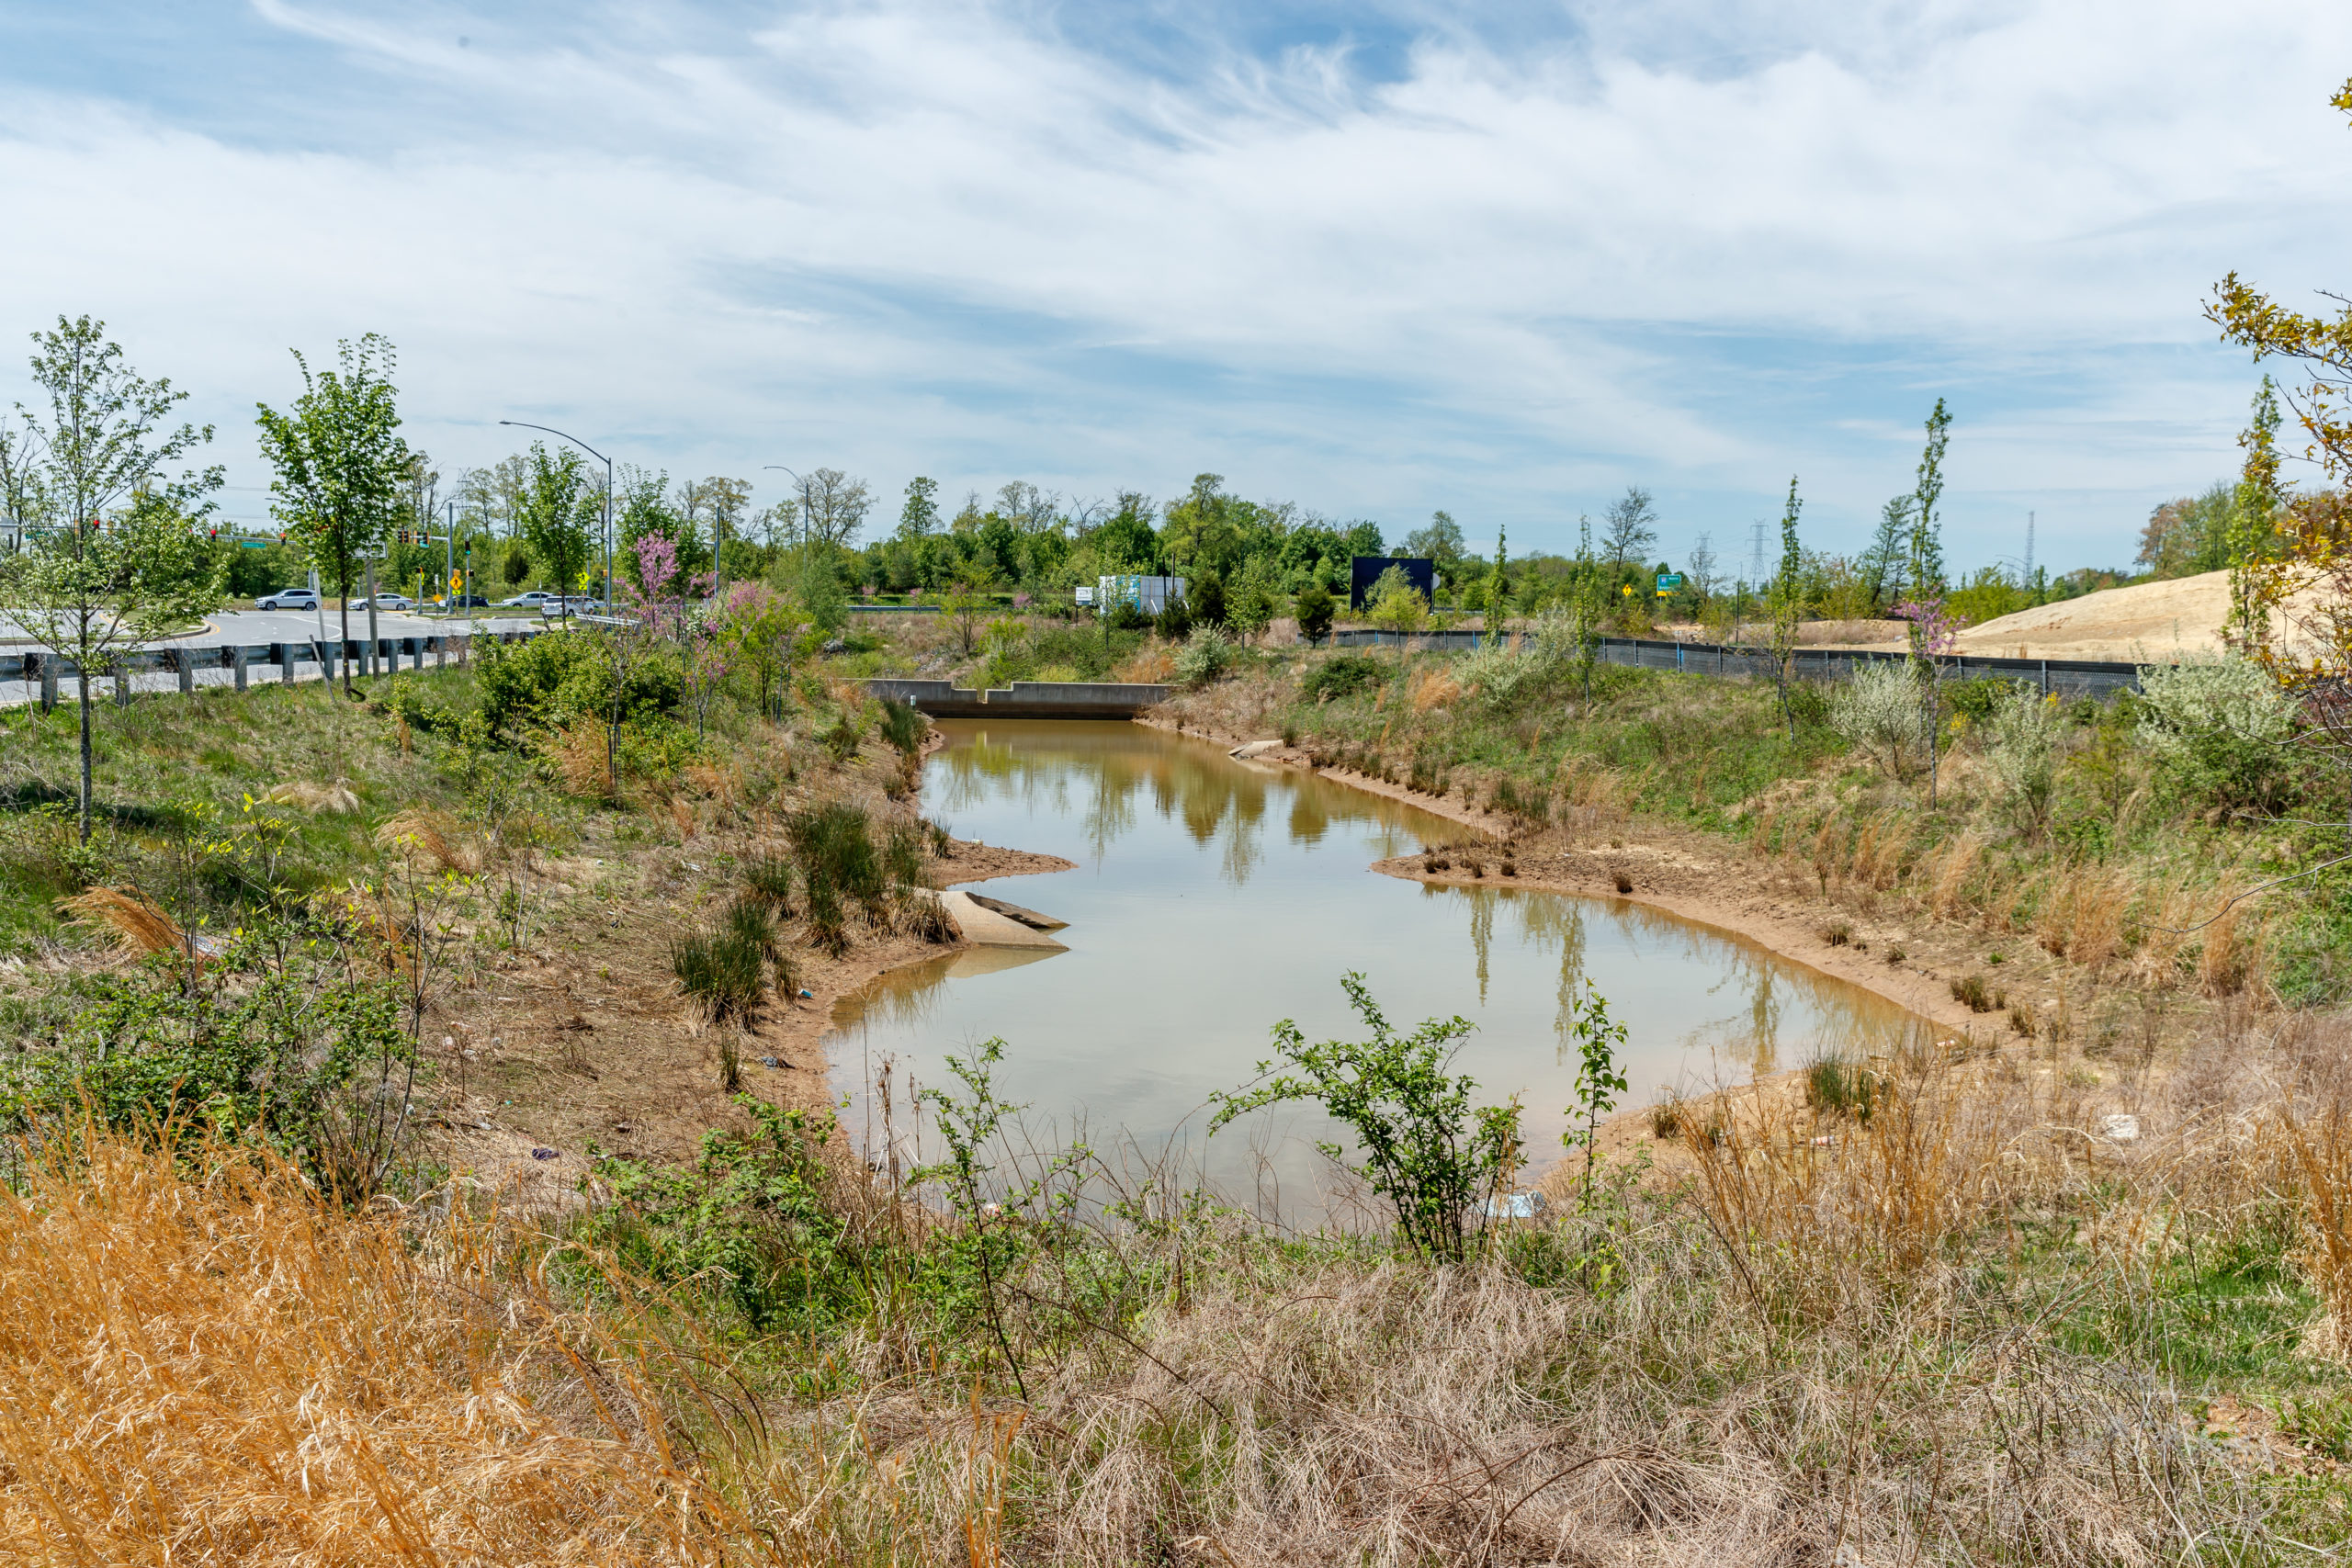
{"x":2110,"y":870}
{"x":1961,"y":1328}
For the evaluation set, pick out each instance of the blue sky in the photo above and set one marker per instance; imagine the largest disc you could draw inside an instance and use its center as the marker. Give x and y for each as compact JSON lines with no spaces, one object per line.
{"x":1376,"y":259}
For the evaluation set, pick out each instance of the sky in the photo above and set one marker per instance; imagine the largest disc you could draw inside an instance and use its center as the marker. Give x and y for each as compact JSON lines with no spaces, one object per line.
{"x":1375,"y":259}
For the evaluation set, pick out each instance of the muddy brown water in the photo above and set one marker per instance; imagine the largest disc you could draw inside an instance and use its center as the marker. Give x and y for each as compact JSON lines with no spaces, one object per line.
{"x":1215,"y":898}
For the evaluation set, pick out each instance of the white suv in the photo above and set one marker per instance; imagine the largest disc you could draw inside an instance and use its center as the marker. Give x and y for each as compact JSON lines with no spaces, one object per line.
{"x":287,"y":599}
{"x":536,"y":597}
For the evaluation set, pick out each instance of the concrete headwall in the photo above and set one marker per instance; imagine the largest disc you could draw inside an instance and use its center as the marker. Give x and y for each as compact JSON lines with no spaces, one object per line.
{"x":1023,"y":699}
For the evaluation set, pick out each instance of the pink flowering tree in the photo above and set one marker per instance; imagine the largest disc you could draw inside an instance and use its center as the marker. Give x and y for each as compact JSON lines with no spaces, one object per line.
{"x":1934,"y":633}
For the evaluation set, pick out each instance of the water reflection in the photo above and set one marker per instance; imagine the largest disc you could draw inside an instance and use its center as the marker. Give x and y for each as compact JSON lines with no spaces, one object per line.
{"x":1048,"y":764}
{"x":1195,"y":926}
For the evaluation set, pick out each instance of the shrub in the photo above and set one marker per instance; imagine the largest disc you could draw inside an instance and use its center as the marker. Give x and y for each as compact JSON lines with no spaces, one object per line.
{"x":2023,"y":750}
{"x":1507,"y":678}
{"x":1878,"y":711}
{"x":903,"y":726}
{"x":272,"y":1042}
{"x":751,"y":1217}
{"x":2219,"y":729}
{"x":1205,"y":657}
{"x":1315,"y":611}
{"x":1434,"y":1156}
{"x":1341,"y":676}
{"x":557,"y":677}
{"x":1175,"y":621}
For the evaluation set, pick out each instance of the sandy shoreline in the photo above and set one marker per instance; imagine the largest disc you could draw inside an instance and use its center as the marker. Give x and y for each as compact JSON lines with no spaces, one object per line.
{"x":1683,"y":874}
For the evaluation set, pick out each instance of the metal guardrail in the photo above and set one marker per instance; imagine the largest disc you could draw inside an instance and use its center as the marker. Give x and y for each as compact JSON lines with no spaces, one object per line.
{"x":286,"y":660}
{"x":2063,"y":677}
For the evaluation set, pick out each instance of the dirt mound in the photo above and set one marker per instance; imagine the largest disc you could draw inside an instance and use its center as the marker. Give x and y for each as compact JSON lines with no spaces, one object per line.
{"x":2148,"y":620}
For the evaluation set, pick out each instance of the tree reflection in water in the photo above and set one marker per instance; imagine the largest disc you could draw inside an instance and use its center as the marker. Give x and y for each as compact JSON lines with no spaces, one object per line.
{"x":1215,"y":898}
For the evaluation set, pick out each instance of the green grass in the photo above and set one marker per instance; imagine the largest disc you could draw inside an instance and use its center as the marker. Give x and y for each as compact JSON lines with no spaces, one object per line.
{"x":177,"y":806}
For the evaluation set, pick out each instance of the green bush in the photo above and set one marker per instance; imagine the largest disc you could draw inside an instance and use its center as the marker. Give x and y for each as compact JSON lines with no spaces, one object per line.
{"x":1341,"y":675}
{"x":2219,"y":729}
{"x":1204,"y":658}
{"x":270,"y":1040}
{"x":1426,"y":1149}
{"x":752,"y":1215}
{"x":557,"y":677}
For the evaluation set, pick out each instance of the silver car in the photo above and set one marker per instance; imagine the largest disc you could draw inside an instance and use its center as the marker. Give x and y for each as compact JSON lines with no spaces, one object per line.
{"x":289,"y":599}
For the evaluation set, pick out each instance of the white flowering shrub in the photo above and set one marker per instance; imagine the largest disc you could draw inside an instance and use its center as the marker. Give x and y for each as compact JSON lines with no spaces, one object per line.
{"x":1878,"y":711}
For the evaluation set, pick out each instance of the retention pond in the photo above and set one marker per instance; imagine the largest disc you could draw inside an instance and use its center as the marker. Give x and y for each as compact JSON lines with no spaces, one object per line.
{"x":1214,"y":898}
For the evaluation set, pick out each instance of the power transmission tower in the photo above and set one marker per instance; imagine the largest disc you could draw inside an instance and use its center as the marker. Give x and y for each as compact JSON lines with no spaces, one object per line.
{"x":2029,"y":549}
{"x":1756,"y":557}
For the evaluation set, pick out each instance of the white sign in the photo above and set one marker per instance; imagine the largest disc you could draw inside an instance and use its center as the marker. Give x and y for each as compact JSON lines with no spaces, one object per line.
{"x":1085,"y":596}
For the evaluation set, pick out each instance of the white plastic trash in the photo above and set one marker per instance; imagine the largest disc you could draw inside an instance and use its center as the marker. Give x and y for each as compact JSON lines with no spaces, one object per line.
{"x":2120,"y":1128}
{"x":1515,"y":1206}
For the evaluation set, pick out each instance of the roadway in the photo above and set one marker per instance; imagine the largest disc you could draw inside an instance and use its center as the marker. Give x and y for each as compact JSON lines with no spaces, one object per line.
{"x":252,"y":628}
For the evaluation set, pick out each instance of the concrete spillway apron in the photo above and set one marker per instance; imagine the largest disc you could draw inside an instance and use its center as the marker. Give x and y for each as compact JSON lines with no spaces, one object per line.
{"x":985,"y":928}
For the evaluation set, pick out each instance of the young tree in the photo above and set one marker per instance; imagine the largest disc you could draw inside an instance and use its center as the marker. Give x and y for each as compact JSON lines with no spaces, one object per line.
{"x":341,"y":468}
{"x":1315,"y":611}
{"x":1702,"y":570}
{"x":89,"y":585}
{"x":559,"y":515}
{"x":1883,"y":565}
{"x":1585,"y":607}
{"x":1398,"y":607}
{"x":1927,"y":536}
{"x":1629,"y":529}
{"x":2246,"y":534}
{"x":642,"y":511}
{"x":1499,"y":583}
{"x":919,"y":518}
{"x":1787,"y":603}
{"x":1927,"y":573}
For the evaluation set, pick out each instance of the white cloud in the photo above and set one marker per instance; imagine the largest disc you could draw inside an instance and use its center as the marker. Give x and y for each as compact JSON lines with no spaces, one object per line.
{"x":1698,"y":247}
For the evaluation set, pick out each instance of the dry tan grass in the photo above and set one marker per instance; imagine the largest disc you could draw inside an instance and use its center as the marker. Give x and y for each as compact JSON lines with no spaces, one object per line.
{"x":334,"y":800}
{"x":1435,"y":688}
{"x":1148,"y":665}
{"x":434,"y":838}
{"x":1946,"y":874}
{"x":139,"y":926}
{"x":581,"y":758}
{"x":204,"y":1363}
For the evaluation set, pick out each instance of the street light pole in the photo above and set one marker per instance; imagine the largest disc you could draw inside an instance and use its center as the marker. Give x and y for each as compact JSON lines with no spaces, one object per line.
{"x":608,"y":497}
{"x":780,"y":469}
